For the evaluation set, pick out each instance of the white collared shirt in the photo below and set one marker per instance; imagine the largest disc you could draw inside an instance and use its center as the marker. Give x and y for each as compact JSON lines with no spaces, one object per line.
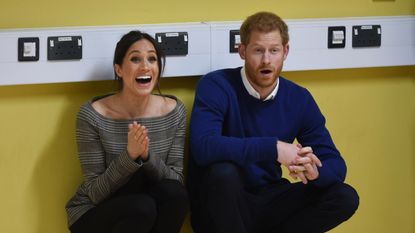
{"x":251,"y":90}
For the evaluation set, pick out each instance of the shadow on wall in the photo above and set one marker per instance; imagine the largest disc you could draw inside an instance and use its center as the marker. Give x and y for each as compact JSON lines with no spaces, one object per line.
{"x":57,"y":173}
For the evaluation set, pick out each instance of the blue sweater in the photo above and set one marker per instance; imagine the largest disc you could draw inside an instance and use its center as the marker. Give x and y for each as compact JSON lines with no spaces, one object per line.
{"x":228,"y":124}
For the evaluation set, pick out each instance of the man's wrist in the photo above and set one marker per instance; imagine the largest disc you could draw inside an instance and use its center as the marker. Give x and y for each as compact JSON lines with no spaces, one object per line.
{"x":277,"y":154}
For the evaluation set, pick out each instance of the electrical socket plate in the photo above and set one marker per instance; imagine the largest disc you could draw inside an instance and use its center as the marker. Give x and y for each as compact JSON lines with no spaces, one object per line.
{"x":28,"y":49}
{"x":234,"y":41}
{"x":366,"y":36}
{"x":173,"y":43}
{"x":64,"y":48}
{"x":336,"y":37}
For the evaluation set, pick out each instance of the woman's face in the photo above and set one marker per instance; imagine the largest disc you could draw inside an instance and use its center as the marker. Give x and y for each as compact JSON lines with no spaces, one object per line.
{"x":139,"y":70}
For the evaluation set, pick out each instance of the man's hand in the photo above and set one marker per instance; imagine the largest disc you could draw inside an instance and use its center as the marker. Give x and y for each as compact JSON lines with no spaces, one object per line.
{"x":305,"y":167}
{"x":287,"y":153}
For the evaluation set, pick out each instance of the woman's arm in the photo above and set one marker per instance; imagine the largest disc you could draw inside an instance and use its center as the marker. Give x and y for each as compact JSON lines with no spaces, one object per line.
{"x":172,"y":167}
{"x":100,"y":180}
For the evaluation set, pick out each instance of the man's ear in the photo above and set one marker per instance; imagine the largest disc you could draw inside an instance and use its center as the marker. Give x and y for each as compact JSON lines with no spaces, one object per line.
{"x":286,"y":50}
{"x":118,"y":70}
{"x":241,"y":50}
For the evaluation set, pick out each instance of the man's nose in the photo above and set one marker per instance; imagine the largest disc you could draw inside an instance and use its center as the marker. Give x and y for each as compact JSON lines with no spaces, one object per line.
{"x":266,"y":57}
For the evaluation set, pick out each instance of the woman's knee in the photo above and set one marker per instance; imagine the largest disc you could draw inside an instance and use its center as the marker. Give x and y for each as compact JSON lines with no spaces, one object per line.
{"x":170,"y":194}
{"x":178,"y":194}
{"x":141,"y":206}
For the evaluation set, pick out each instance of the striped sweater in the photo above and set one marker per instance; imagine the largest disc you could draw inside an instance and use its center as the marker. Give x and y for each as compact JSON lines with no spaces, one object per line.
{"x":106,"y":166}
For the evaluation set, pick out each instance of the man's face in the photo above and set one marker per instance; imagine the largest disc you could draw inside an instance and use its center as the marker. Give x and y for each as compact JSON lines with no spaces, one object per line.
{"x":264,"y":56}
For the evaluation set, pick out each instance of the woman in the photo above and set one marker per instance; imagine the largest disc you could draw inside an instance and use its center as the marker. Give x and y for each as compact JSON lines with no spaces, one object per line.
{"x":130,"y":146}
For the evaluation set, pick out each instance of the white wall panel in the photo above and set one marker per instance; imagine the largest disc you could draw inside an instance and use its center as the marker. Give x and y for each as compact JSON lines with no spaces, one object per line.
{"x":308,"y":44}
{"x":208,"y":49}
{"x":98,"y":51}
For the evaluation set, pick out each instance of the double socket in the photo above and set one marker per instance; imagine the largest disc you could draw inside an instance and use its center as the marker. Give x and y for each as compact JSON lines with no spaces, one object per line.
{"x":64,"y":48}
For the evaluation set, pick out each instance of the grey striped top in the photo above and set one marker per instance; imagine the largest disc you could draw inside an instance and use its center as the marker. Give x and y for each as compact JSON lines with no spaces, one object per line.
{"x":102,"y":149}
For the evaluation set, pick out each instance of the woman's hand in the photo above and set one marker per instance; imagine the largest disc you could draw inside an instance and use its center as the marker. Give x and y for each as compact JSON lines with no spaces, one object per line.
{"x":138,"y":141}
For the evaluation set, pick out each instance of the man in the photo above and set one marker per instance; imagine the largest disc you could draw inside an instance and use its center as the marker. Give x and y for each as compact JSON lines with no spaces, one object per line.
{"x":243,"y":124}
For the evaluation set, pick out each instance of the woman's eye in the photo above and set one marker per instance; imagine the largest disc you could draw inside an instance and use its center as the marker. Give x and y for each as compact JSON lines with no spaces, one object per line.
{"x":135,"y":59}
{"x":152,"y":59}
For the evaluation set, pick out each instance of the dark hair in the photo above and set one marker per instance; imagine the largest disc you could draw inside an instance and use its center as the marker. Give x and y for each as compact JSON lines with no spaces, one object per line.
{"x":263,"y":22}
{"x":125,"y":43}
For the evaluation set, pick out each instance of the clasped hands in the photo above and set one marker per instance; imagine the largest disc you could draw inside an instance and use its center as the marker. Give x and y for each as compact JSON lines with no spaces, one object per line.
{"x":300,"y":161}
{"x":138,"y":141}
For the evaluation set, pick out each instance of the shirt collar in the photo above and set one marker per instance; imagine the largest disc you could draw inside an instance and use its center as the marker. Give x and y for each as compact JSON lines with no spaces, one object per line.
{"x":251,"y":89}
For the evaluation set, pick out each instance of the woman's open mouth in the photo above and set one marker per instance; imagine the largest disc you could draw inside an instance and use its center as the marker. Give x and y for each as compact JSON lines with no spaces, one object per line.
{"x":143,"y":79}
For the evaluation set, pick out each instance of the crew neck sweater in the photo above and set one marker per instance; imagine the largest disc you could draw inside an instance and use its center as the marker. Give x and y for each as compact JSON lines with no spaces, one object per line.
{"x":228,"y":124}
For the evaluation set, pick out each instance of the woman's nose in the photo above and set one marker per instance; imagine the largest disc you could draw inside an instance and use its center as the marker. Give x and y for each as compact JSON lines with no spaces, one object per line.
{"x":144,"y":65}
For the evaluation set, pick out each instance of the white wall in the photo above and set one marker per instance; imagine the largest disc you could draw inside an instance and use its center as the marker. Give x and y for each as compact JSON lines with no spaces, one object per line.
{"x":208,"y":49}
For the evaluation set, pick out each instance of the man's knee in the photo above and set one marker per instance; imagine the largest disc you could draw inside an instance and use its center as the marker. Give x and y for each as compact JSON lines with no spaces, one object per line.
{"x":347,"y":199}
{"x":223,"y":175}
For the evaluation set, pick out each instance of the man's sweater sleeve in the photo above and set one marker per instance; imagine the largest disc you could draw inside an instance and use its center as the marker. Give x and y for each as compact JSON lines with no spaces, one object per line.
{"x":211,"y":107}
{"x":315,"y":134}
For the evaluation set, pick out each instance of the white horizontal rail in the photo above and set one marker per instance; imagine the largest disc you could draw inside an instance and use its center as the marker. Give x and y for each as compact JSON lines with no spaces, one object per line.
{"x":208,"y":49}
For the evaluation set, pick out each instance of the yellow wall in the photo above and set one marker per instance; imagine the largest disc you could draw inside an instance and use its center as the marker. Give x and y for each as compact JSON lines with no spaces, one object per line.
{"x":370,"y":112}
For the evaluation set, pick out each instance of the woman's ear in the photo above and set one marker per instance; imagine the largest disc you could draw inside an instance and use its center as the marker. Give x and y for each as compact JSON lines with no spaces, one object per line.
{"x":118,"y":70}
